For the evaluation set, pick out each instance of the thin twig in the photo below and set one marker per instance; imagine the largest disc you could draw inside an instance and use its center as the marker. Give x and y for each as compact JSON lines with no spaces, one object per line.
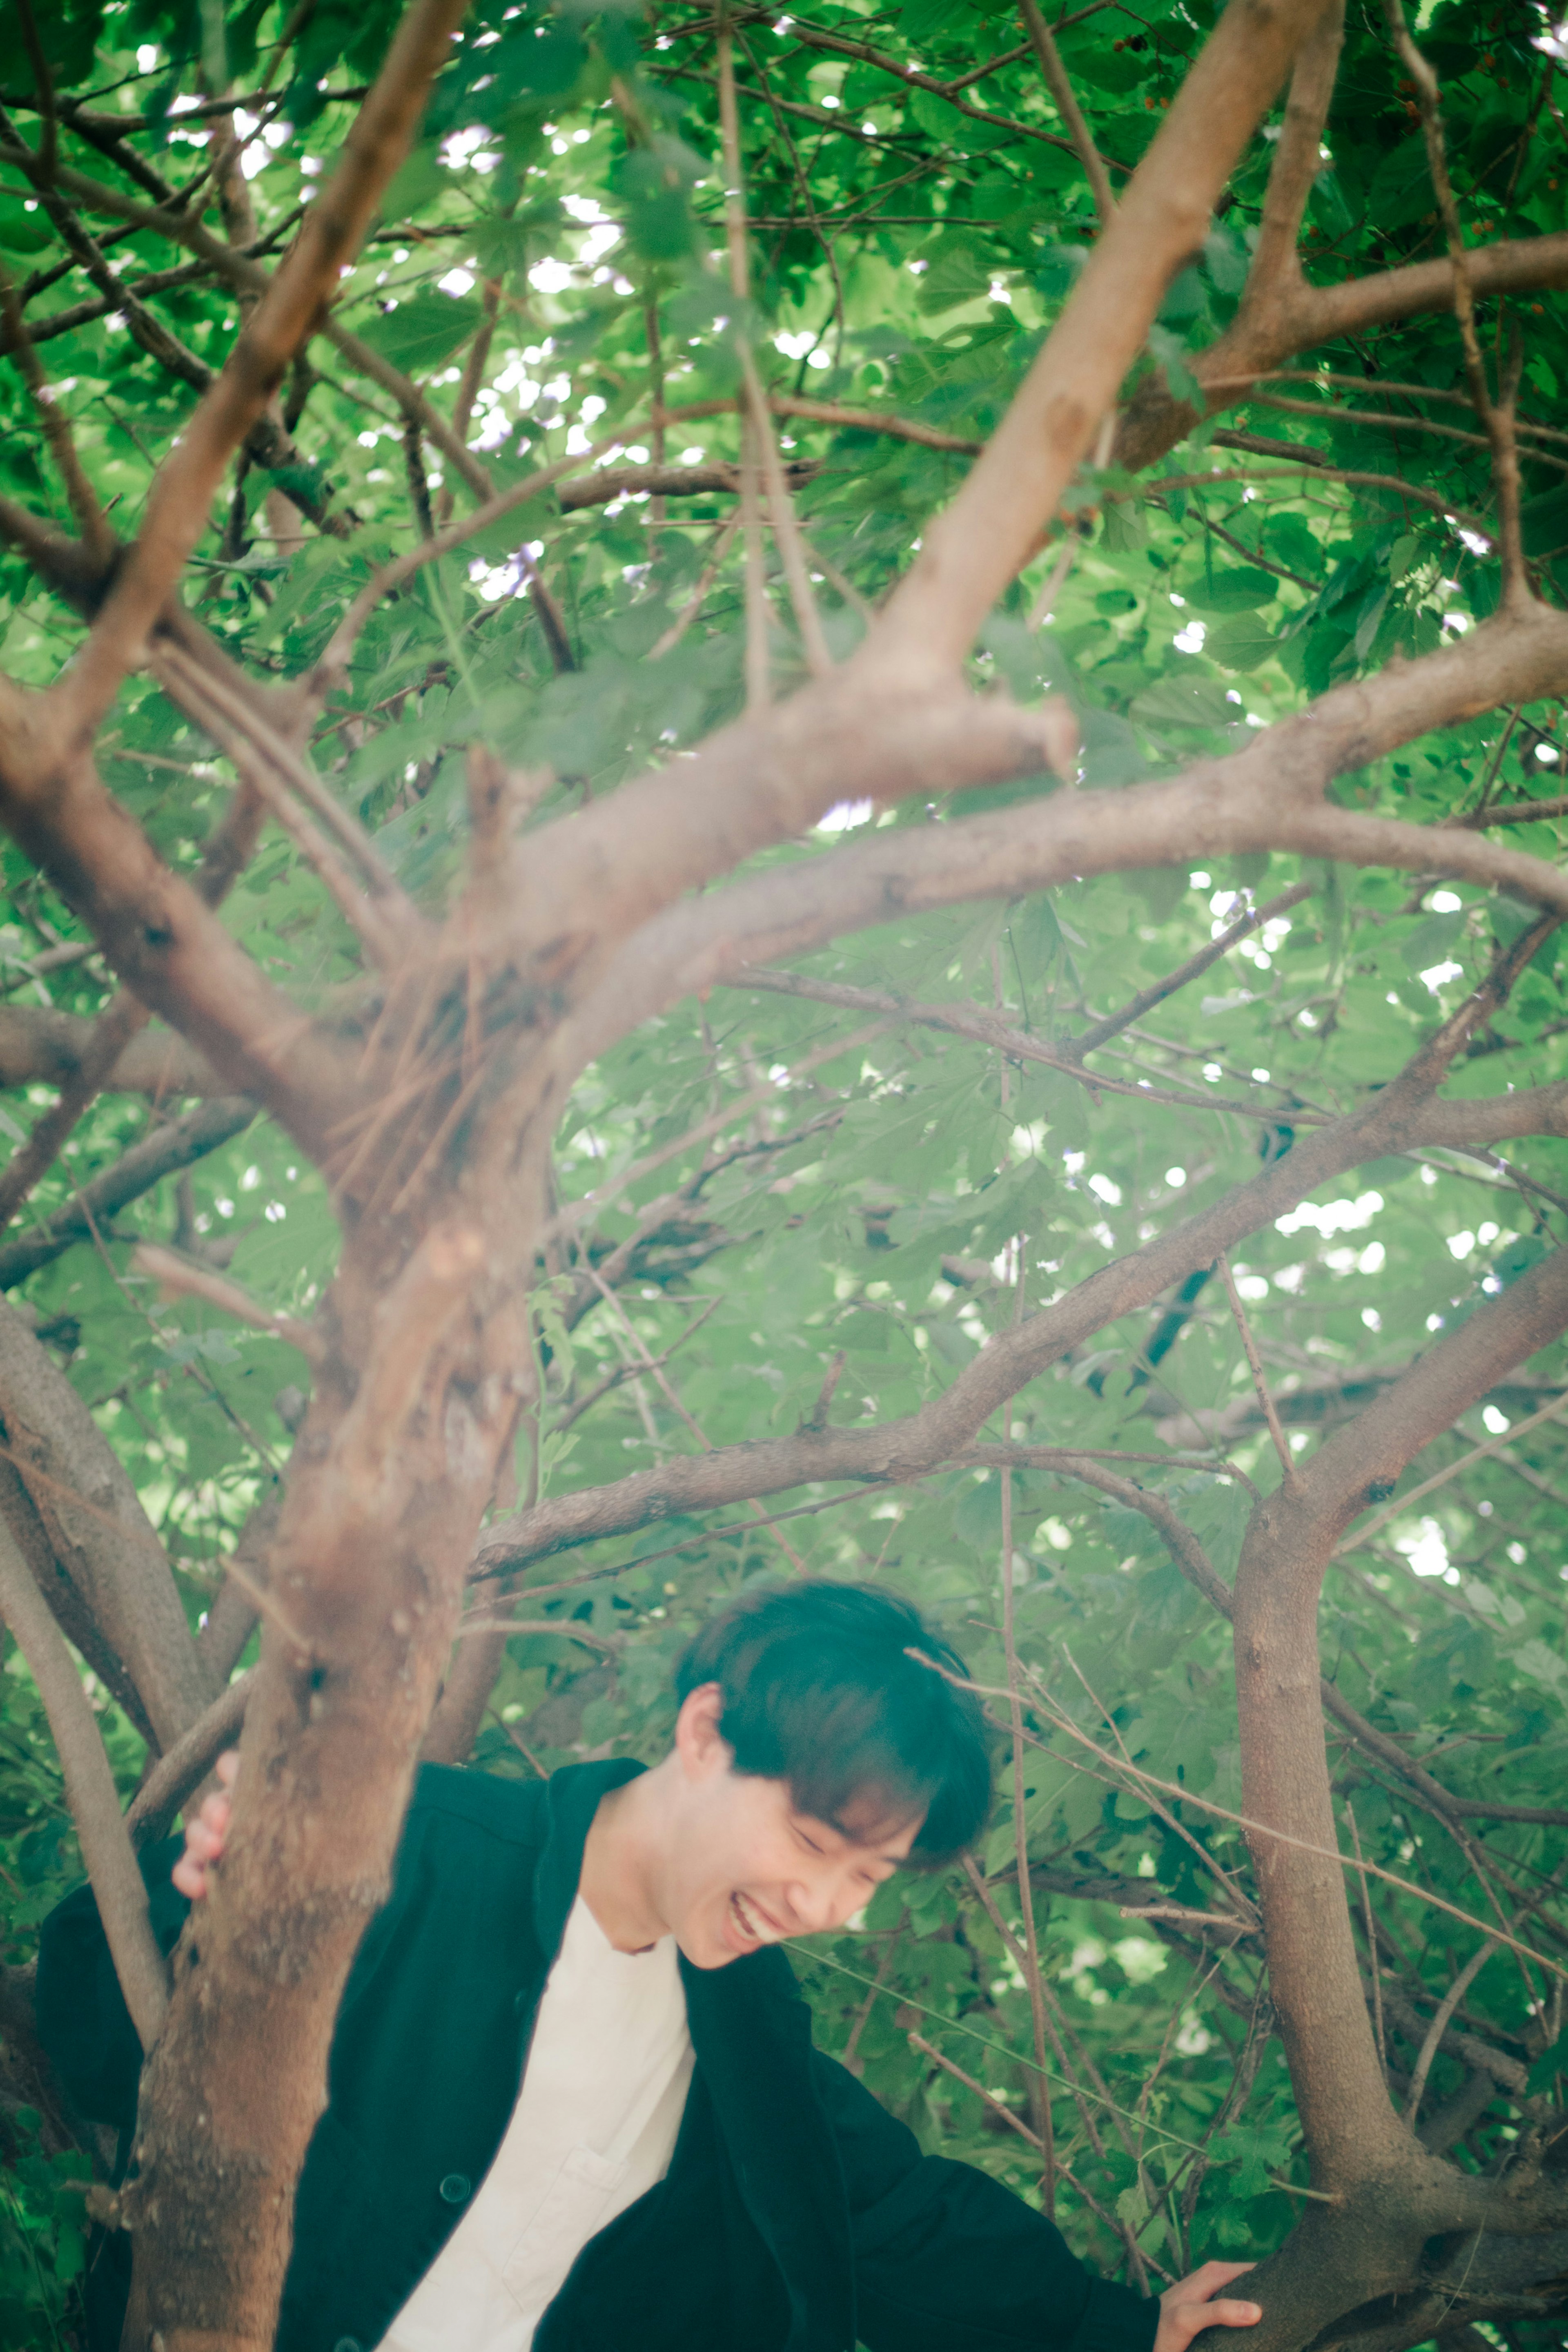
{"x":1371,"y":1940}
{"x":1435,"y":2031}
{"x":179,"y":1276}
{"x":1496,"y":416}
{"x":997,"y":2106}
{"x":1015,"y":1952}
{"x":759,"y":679}
{"x":648,"y":1362}
{"x":44,"y":81}
{"x":1259,"y":1828}
{"x":1259,"y":1379}
{"x":719,"y":546}
{"x":1021,"y":1852}
{"x":613,"y":1195}
{"x":1045,"y":603}
{"x":961,"y":2025}
{"x":786,"y":530}
{"x":98,"y":538}
{"x":1098,"y":1032}
{"x":90,"y":1791}
{"x":1043,"y":43}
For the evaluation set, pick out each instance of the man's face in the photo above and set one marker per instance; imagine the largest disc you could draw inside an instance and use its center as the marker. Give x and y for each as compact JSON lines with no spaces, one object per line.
{"x":743,"y":1867}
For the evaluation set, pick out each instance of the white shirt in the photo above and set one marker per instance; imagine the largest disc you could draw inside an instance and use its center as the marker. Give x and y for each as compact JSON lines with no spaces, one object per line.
{"x":594,"y":2127}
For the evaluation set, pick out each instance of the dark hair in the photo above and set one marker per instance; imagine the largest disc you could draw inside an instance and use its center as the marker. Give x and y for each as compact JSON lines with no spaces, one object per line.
{"x":820,"y":1690}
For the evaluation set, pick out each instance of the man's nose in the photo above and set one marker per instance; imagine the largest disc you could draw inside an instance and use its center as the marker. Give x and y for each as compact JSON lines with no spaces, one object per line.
{"x":820,"y":1903}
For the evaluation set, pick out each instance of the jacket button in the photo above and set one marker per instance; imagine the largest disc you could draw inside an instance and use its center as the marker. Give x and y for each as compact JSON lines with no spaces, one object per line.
{"x":347,"y":2344}
{"x":453,"y":2189}
{"x":521,"y":2001}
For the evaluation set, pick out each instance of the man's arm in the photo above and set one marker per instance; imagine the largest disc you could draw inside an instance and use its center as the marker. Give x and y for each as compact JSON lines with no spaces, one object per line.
{"x":947,"y":2260}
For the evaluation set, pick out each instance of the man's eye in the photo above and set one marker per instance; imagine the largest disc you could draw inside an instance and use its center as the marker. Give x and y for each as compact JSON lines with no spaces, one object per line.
{"x":810,"y":1843}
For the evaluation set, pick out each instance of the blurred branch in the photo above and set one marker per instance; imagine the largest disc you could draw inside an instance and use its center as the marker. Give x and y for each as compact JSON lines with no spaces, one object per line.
{"x":1297,"y":160}
{"x":1260,"y":1378}
{"x":97,"y":539}
{"x":1030,"y":1956}
{"x":162,"y":1153}
{"x":179,"y":1277}
{"x":1307,"y":316}
{"x":1255,"y":918}
{"x":1043,"y":43}
{"x":1444,"y":2012}
{"x":1496,"y":416}
{"x":40,"y":1044}
{"x":186,"y":1765}
{"x":90,"y":1794}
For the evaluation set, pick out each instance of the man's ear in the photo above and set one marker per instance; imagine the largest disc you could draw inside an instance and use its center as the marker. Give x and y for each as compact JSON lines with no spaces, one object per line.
{"x":699,"y":1744}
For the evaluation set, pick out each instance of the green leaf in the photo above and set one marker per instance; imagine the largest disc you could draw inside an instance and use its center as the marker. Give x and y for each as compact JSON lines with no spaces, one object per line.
{"x":1182,"y":702}
{"x":957,"y":271}
{"x":422,"y":331}
{"x":1241,"y":589}
{"x":1401,"y":190}
{"x":1432,"y":942}
{"x":1542,"y":2080}
{"x":1241,"y":645}
{"x":22,"y":230}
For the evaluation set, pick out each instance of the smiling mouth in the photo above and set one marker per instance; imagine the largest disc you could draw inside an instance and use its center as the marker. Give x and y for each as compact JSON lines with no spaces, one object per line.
{"x":751,"y":1926}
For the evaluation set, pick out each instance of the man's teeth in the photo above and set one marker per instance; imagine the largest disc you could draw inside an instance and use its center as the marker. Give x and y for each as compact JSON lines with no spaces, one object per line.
{"x":752,"y":1924}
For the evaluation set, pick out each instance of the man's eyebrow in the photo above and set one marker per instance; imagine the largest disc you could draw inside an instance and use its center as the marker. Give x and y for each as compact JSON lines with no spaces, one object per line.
{"x":868,"y":1845}
{"x":803,"y":1821}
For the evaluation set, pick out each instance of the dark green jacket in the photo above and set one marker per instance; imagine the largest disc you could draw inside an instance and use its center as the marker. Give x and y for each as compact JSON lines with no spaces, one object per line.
{"x":797,"y":2215}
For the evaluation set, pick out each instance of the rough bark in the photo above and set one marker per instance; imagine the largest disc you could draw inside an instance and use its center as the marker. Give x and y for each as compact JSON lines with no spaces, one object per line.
{"x":102,"y":1544}
{"x":1392,"y":2194}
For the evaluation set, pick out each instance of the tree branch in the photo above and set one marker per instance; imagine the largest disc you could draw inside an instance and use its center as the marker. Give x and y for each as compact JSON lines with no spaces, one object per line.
{"x":1099,"y":1033}
{"x":1312,"y":1969}
{"x":181,"y":1278}
{"x":330,"y":232}
{"x":89,"y":1790}
{"x":162,"y":1153}
{"x":1312,"y":315}
{"x":166,"y":944}
{"x":186,"y":1764}
{"x":1297,"y":160}
{"x":1398,"y":1118}
{"x":100,"y":1537}
{"x":1264,"y":796}
{"x":97,"y":537}
{"x":1043,"y":43}
{"x":986,"y":1029}
{"x":989,"y":530}
{"x":39,"y":1045}
{"x":1496,"y":416}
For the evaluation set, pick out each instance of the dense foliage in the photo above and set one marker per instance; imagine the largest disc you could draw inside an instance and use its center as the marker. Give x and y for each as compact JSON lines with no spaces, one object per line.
{"x":863,"y":1180}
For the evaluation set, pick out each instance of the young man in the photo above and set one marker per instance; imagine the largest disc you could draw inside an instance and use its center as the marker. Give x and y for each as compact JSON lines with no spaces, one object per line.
{"x":573,"y":2101}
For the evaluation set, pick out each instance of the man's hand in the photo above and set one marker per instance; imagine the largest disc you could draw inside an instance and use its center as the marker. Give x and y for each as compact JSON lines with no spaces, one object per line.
{"x":204,"y":1835}
{"x":1188,"y":2307}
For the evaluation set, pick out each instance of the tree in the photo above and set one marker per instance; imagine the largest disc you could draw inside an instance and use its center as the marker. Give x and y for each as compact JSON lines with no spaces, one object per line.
{"x":637,"y":916}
